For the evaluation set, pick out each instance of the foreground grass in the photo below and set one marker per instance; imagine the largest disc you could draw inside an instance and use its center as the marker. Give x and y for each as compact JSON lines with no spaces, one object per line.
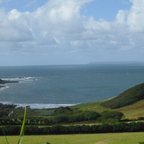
{"x":115,"y":138}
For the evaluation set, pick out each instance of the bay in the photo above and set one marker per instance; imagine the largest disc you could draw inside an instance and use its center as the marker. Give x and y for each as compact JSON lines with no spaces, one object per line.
{"x":64,"y":85}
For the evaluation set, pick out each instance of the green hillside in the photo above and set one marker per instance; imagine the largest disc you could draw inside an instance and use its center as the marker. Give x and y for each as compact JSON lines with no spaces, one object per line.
{"x":126,"y":98}
{"x":130,"y":103}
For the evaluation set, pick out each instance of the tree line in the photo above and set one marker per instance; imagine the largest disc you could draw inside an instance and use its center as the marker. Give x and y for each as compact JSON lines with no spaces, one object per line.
{"x":83,"y":129}
{"x":88,"y":116}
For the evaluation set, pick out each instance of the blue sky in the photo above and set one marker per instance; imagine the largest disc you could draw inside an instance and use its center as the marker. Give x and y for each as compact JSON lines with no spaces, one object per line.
{"x":105,"y":9}
{"x":55,"y":32}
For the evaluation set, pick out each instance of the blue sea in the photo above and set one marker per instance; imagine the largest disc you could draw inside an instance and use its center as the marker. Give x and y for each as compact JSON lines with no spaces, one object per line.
{"x":66,"y":85}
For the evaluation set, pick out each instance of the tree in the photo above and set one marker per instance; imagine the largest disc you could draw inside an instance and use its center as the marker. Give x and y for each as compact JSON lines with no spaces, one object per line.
{"x":112,"y":115}
{"x":91,"y":115}
{"x":60,"y":119}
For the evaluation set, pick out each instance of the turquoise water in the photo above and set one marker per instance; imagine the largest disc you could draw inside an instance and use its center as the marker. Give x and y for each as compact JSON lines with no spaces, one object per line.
{"x":53,"y":86}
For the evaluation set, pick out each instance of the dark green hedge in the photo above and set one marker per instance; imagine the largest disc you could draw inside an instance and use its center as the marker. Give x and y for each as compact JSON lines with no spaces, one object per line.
{"x":58,"y":129}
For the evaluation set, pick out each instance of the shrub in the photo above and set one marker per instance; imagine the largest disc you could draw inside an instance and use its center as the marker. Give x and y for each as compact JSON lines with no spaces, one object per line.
{"x":63,"y":110}
{"x":60,"y":119}
{"x":91,"y":115}
{"x":140,"y":118}
{"x":112,"y":115}
{"x":3,"y":113}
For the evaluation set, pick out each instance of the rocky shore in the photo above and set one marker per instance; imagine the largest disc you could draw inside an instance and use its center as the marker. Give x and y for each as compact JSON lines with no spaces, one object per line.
{"x":2,"y":82}
{"x":7,"y":81}
{"x":1,"y":86}
{"x":11,"y":106}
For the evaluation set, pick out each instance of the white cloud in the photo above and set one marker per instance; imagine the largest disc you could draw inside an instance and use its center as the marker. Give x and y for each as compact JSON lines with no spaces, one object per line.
{"x":134,"y":17}
{"x":58,"y":27}
{"x":13,"y":27}
{"x":61,"y":18}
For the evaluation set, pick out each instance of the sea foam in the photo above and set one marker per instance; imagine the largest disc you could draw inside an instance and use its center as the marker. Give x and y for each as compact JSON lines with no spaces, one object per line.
{"x":20,"y":79}
{"x":36,"y":105}
{"x":44,"y":106}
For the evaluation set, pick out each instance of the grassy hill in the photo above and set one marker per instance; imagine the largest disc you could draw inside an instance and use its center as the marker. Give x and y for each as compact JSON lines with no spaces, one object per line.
{"x":132,"y":111}
{"x":128,"y":97}
{"x":130,"y":103}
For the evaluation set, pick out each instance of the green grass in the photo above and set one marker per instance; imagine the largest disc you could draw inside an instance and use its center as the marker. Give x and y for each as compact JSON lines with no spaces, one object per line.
{"x":115,"y":138}
{"x":132,"y":111}
{"x":22,"y":128}
{"x":94,"y":106}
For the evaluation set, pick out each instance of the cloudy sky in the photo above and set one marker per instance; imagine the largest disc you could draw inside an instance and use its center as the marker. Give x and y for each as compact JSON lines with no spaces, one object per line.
{"x":53,"y":32}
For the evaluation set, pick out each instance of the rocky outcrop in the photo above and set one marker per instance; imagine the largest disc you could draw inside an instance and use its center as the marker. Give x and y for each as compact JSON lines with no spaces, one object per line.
{"x":7,"y":81}
{"x":1,"y":86}
{"x":11,"y":106}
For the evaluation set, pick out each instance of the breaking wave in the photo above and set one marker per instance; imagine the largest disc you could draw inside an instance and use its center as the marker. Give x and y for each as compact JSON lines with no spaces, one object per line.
{"x":21,"y":79}
{"x":37,"y":106}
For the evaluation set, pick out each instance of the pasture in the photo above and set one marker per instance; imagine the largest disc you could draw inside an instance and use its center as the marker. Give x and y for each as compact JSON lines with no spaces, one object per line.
{"x":108,"y":138}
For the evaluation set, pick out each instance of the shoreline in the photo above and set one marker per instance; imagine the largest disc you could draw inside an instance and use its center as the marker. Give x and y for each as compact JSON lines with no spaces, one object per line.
{"x":29,"y":105}
{"x":1,"y":86}
{"x":7,"y":81}
{"x":32,"y":106}
{"x":2,"y":82}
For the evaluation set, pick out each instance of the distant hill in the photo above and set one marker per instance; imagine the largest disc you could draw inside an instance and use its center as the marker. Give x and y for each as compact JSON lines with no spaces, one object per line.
{"x":117,"y":62}
{"x":128,"y":97}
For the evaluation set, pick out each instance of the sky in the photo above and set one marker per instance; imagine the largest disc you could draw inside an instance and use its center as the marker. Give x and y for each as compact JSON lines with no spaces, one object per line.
{"x":60,"y":32}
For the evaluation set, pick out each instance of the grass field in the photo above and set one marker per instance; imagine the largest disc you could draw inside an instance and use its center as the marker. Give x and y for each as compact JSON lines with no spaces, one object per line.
{"x":131,"y":111}
{"x":134,"y":110}
{"x":115,"y":138}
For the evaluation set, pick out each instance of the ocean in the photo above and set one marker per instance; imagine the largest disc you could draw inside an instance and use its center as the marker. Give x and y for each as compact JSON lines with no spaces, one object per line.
{"x":66,"y":85}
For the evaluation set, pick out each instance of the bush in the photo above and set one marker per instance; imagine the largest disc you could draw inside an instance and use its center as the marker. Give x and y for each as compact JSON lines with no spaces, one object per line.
{"x":3,"y":113}
{"x":75,"y":118}
{"x":112,"y":115}
{"x":63,"y":110}
{"x":91,"y":115}
{"x":60,"y":119}
{"x":140,"y":118}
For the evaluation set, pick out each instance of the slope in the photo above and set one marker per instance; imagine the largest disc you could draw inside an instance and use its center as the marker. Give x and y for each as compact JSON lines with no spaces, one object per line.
{"x":126,"y":98}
